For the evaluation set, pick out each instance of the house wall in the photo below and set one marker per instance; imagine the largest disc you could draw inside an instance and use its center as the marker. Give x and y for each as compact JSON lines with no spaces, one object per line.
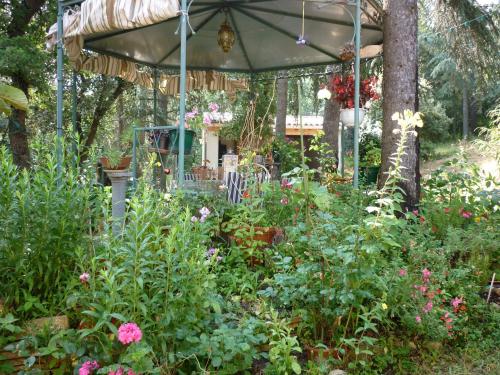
{"x":212,"y":149}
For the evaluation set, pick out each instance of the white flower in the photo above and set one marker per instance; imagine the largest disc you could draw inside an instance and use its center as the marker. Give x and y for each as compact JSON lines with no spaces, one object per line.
{"x":324,"y":93}
{"x":167,"y":197}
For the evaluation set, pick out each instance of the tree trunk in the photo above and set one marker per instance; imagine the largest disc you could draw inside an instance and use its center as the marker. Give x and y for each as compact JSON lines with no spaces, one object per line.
{"x":472,"y":105}
{"x":281,"y":105}
{"x":103,"y":106}
{"x":331,"y":119}
{"x":465,"y":111}
{"x":400,"y":91}
{"x":18,"y":139}
{"x":21,"y":15}
{"x":120,"y":117}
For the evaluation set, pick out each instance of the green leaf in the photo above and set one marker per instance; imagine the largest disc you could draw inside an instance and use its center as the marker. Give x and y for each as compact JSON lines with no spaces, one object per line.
{"x":216,"y":361}
{"x":5,"y":108}
{"x":12,"y":96}
{"x":296,"y":368}
{"x":30,"y":361}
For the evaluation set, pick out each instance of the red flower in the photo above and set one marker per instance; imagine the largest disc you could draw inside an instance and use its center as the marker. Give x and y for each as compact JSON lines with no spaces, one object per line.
{"x":343,"y":90}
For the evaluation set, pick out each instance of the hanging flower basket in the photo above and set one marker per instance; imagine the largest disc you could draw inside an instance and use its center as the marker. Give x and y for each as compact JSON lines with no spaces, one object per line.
{"x":347,"y":116}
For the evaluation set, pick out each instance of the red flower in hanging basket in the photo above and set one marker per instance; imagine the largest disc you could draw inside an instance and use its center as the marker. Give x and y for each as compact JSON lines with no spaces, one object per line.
{"x":343,"y":90}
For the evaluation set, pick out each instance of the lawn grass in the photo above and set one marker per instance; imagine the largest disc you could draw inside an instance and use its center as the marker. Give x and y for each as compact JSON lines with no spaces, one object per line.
{"x":472,"y":360}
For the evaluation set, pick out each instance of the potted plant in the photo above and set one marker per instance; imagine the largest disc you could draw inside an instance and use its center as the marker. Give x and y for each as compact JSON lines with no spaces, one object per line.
{"x":250,"y":227}
{"x":343,"y":92}
{"x":116,"y":153}
{"x":371,"y":159}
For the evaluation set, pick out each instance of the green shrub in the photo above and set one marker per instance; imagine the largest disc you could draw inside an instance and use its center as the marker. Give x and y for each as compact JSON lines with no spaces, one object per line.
{"x":45,"y":223}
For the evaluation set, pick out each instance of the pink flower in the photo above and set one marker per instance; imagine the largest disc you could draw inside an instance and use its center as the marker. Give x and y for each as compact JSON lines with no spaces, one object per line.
{"x":418,"y":319}
{"x":88,"y":368}
{"x":415,"y":212}
{"x":426,"y":274}
{"x":455,"y":302}
{"x":286,"y":184}
{"x":402,"y":272}
{"x":207,"y":120}
{"x":446,"y":318}
{"x":427,"y":308}
{"x":129,"y":333}
{"x":447,"y":210}
{"x":284,"y":201}
{"x":214,"y":107}
{"x":466,"y":214}
{"x":84,"y":278}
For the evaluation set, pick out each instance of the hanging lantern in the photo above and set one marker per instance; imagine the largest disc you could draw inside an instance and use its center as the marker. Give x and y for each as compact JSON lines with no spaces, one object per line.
{"x":225,"y":37}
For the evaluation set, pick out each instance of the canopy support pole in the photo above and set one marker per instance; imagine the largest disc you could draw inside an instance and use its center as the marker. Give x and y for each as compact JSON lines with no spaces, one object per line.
{"x":357,"y":27}
{"x":182,"y":104}
{"x":341,"y":149}
{"x":59,"y":105}
{"x":155,"y":97}
{"x":74,"y":115}
{"x":134,"y":158}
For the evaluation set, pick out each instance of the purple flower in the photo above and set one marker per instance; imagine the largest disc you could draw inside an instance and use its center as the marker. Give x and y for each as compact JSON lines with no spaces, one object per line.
{"x":219,"y":258}
{"x":211,"y":252}
{"x":204,"y":211}
{"x":202,"y":219}
{"x":194,"y":219}
{"x":191,"y":114}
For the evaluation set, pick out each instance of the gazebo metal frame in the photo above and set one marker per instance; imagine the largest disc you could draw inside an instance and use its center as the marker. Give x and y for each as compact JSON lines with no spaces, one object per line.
{"x":63,"y":4}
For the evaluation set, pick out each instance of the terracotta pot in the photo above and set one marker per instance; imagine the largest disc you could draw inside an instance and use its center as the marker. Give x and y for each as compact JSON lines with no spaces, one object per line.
{"x":54,"y":322}
{"x":123,"y":164}
{"x":313,"y":354}
{"x":264,"y":235}
{"x":261,"y":234}
{"x":44,"y":363}
{"x":16,"y":362}
{"x":294,"y":322}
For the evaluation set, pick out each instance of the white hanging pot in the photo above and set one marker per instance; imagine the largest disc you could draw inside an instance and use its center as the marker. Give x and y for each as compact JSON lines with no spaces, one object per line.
{"x":347,"y":116}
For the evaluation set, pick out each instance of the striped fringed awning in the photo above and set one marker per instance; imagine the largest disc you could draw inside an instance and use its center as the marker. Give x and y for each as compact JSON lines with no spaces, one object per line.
{"x":98,"y":16}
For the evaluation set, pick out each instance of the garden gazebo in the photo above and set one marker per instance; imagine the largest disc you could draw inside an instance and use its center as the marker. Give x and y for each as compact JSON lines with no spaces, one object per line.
{"x":247,"y":36}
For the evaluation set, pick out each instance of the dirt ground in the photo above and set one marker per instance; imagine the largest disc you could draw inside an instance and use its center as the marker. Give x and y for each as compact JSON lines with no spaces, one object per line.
{"x":487,"y":164}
